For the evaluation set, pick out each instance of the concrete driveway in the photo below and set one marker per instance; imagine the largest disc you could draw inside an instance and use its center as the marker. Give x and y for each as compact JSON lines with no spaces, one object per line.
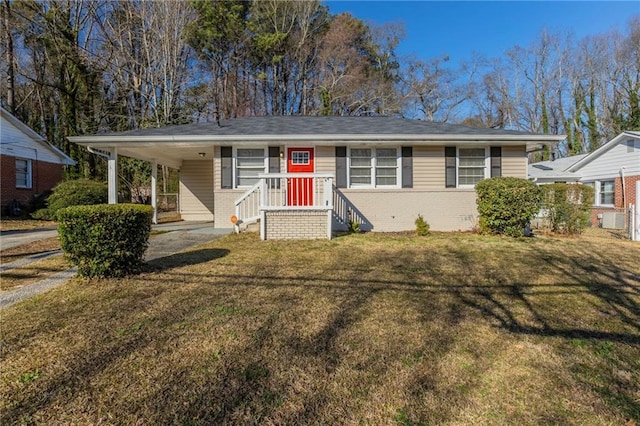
{"x":10,"y":239}
{"x":174,"y":238}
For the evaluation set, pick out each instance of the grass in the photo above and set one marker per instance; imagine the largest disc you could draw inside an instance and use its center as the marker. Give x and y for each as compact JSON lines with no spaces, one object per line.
{"x":36,"y":247}
{"x":33,"y":272}
{"x":363,"y":329}
{"x":18,"y":224}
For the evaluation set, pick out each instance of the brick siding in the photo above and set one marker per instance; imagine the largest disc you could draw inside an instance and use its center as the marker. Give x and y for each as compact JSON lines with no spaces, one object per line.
{"x":44,"y":176}
{"x":630,"y":198}
{"x":296,"y":225}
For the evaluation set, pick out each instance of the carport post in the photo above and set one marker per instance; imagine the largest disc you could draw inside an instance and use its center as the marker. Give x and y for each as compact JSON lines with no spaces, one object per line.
{"x":113,"y":175}
{"x":154,"y":185}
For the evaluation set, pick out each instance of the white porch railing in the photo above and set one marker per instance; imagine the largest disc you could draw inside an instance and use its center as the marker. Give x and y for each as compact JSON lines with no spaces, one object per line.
{"x":285,"y":191}
{"x":344,"y":212}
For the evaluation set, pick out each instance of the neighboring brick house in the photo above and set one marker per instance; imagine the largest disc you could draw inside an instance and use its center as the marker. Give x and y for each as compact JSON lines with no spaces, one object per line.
{"x":613,"y":170}
{"x":304,"y":177}
{"x":29,"y":165}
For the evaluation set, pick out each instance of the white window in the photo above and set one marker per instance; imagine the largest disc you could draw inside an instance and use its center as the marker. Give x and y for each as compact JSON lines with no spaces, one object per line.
{"x":386,"y":167}
{"x":250,"y":162}
{"x":300,"y":158}
{"x":23,"y":173}
{"x":472,"y":166}
{"x":373,"y":167}
{"x":606,"y":191}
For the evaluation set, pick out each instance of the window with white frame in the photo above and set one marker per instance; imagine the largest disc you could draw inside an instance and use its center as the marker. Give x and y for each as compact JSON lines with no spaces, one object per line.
{"x":373,"y":167}
{"x":606,"y":192}
{"x":300,"y":158}
{"x":23,"y":173}
{"x":250,"y":162}
{"x":471,"y":165}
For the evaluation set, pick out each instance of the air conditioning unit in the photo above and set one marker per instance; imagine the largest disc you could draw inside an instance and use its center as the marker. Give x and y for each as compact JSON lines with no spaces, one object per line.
{"x":613,"y":220}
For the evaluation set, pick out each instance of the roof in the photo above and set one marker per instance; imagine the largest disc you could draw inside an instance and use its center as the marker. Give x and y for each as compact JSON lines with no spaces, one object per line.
{"x":30,"y":133}
{"x":172,"y":144}
{"x":555,"y":170}
{"x":318,"y":125}
{"x":604,"y":148}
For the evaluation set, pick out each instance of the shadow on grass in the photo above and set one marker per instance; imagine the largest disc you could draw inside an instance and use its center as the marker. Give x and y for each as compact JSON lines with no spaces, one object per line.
{"x":251,"y":382}
{"x":184,"y":259}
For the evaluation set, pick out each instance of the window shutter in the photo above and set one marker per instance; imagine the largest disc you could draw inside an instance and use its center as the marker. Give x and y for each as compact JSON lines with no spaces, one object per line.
{"x":341,"y":166}
{"x":274,"y":159}
{"x":274,"y":165}
{"x":407,"y":167}
{"x":226,"y":168}
{"x":450,"y":166}
{"x":496,"y":161}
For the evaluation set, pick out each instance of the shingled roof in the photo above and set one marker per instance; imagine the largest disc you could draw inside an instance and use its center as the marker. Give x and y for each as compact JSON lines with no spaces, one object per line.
{"x":320,"y":125}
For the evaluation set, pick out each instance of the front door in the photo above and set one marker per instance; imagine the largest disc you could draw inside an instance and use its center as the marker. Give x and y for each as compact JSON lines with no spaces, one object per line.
{"x":300,"y":190}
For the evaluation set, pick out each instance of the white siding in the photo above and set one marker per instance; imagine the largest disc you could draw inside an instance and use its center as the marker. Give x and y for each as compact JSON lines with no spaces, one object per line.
{"x":607,"y":165}
{"x":17,"y":144}
{"x":196,"y":190}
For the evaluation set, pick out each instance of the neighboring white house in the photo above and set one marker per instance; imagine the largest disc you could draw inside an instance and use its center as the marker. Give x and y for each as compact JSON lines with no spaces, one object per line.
{"x":613,"y":170}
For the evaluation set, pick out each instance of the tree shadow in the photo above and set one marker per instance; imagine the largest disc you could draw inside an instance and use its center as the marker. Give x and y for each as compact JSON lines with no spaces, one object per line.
{"x":177,"y":260}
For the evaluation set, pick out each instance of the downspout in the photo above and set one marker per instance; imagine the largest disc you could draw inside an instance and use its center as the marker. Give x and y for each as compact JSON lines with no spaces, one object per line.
{"x":624,"y":196}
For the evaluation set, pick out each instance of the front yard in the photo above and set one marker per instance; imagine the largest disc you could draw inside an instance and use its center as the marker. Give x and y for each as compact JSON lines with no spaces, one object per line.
{"x":363,"y":329}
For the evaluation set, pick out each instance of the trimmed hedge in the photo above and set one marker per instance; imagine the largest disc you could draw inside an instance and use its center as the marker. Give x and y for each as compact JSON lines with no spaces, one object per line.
{"x":105,"y":240}
{"x":79,"y":192}
{"x":507,"y":205}
{"x":568,"y":207}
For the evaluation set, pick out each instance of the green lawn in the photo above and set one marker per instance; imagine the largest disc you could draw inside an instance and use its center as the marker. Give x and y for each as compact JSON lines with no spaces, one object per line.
{"x":364,"y":329}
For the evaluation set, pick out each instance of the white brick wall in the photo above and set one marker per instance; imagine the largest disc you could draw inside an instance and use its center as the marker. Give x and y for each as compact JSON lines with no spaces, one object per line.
{"x":296,"y":225}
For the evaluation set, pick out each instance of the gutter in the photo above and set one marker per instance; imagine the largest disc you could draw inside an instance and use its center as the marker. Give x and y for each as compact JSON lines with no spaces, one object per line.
{"x":111,"y":140}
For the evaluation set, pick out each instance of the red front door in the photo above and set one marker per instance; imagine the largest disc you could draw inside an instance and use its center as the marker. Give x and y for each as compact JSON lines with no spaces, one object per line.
{"x":300,"y":190}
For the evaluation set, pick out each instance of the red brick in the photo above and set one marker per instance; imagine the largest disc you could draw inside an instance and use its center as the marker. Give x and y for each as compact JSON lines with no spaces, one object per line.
{"x":44,"y":177}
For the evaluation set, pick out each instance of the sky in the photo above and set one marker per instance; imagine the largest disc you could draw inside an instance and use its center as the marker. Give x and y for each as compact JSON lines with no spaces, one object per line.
{"x":460,"y":28}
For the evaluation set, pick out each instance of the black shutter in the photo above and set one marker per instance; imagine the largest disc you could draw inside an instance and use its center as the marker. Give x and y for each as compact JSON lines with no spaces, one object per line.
{"x":226,"y":169}
{"x":274,"y":159}
{"x":407,"y":167}
{"x":341,"y":166}
{"x":450,"y":166}
{"x":496,"y":161}
{"x":274,"y":165}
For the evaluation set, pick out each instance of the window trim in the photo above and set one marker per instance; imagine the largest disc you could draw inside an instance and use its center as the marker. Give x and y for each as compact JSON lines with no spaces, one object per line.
{"x":487,"y":165}
{"x":598,"y":192}
{"x":265,"y":164}
{"x":29,"y":174}
{"x":373,"y":166}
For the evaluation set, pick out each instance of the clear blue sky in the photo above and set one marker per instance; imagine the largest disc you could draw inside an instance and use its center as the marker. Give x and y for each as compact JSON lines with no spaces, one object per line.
{"x":458,"y":29}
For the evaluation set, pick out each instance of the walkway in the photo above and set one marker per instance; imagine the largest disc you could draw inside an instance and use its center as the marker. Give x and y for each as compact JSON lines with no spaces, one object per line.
{"x":175,"y":238}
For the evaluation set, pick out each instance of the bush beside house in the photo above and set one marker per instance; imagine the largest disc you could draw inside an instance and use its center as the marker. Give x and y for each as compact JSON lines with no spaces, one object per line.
{"x":506,"y":205}
{"x":73,"y":193}
{"x":567,"y":207}
{"x":105,"y":240}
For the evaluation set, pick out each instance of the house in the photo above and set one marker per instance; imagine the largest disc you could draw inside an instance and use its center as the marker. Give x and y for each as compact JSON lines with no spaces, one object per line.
{"x":613,"y":170}
{"x":302,"y":177}
{"x":30,"y":166}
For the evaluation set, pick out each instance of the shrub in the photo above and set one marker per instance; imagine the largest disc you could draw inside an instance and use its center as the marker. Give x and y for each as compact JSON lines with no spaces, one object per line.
{"x":105,"y":240}
{"x":568,"y":207}
{"x":506,"y":205}
{"x":77,"y":192}
{"x":422,"y":226}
